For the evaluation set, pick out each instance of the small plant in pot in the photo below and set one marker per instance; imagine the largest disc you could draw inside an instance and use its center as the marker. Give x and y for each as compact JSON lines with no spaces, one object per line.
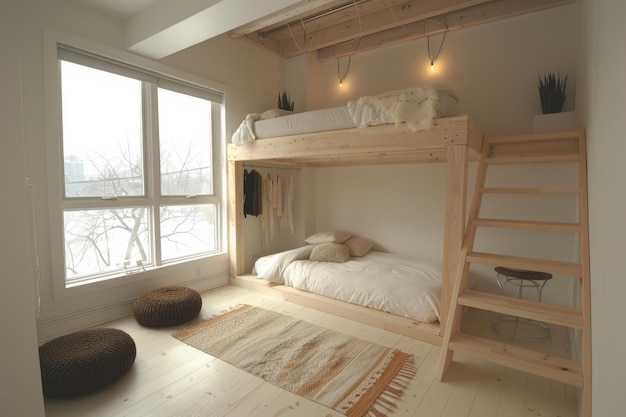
{"x":552,"y":93}
{"x":284,"y":101}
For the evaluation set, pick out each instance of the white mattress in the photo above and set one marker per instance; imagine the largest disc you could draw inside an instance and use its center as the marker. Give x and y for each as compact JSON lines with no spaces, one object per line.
{"x":382,"y":281}
{"x":335,"y":118}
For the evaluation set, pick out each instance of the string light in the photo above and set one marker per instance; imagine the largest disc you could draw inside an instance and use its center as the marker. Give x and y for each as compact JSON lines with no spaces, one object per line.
{"x":430,"y":57}
{"x":343,"y":77}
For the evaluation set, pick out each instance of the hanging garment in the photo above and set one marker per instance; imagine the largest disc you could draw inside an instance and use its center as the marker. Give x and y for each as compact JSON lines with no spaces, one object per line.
{"x":252,"y":193}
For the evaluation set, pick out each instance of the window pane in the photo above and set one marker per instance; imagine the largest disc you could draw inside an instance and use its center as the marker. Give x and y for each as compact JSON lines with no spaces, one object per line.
{"x":102,"y":134}
{"x":99,"y":242}
{"x":187,"y":230}
{"x":185,"y":134}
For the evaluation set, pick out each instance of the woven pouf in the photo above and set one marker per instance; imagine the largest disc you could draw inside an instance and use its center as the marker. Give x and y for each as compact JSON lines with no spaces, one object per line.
{"x":85,"y":361}
{"x":167,"y":306}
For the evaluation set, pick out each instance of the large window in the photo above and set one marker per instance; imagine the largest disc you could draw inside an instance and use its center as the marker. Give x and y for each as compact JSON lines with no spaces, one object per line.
{"x":140,"y":175}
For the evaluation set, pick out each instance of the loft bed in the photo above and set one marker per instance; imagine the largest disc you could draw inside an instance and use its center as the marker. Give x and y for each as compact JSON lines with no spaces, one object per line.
{"x":453,"y":140}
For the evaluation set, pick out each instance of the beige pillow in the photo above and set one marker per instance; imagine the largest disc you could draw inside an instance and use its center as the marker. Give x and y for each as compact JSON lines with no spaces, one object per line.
{"x":333,"y":236}
{"x":359,"y":246}
{"x":330,"y":252}
{"x":270,"y":114}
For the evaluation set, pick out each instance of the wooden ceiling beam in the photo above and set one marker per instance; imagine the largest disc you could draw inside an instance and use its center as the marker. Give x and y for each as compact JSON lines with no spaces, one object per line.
{"x":297,"y":10}
{"x":378,"y":23}
{"x":472,"y":16}
{"x":361,"y":24}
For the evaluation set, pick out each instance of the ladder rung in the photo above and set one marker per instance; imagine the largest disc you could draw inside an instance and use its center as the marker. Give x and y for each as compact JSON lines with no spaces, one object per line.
{"x":537,"y":363}
{"x":530,"y":310}
{"x":529,"y":190}
{"x":529,"y":159}
{"x":535,"y":137}
{"x":531,"y":264}
{"x":521,"y":224}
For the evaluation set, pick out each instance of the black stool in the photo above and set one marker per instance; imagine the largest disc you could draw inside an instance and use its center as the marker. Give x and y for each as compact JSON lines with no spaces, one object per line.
{"x":520,"y":278}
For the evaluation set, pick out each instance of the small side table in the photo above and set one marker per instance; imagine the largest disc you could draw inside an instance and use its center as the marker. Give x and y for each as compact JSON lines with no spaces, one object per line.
{"x":520,"y":278}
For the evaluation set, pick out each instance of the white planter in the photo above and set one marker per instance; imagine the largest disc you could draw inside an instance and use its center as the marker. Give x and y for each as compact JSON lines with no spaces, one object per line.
{"x":553,"y":122}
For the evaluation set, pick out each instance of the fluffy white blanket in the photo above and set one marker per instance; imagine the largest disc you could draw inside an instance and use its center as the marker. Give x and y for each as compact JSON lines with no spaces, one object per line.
{"x":415,"y":106}
{"x":245,"y":132}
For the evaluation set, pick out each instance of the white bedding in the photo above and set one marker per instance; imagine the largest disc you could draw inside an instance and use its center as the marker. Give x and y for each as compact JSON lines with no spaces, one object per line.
{"x":377,"y":280}
{"x":418,"y":107}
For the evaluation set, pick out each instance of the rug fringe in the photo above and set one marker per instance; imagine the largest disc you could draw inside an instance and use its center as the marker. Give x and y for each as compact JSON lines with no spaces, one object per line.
{"x":387,"y":400}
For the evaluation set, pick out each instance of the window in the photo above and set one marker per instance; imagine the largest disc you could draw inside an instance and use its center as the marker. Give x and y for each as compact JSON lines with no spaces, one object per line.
{"x":140,"y":178}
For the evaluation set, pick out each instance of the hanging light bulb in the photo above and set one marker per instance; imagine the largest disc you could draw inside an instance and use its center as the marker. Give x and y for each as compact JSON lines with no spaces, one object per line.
{"x":345,"y":74}
{"x":432,"y":65}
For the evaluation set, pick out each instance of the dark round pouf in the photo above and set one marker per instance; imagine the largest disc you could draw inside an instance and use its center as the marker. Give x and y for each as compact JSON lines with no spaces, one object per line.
{"x":167,"y":306}
{"x":85,"y":361}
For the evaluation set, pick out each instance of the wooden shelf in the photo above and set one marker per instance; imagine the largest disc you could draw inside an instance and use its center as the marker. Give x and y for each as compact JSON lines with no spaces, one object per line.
{"x":522,"y":308}
{"x":531,"y":264}
{"x":558,"y":369}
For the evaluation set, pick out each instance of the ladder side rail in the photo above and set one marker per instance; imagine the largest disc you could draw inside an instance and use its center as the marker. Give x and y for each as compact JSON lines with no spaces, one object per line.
{"x":585,"y":294}
{"x":453,"y":321}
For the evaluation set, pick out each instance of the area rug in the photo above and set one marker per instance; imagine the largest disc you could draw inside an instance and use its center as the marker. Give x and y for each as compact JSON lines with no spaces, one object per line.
{"x":352,"y":376}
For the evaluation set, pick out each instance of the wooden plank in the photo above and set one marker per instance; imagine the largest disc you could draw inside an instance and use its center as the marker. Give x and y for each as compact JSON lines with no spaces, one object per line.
{"x":530,"y":190}
{"x":293,"y":12}
{"x":375,"y":140}
{"x":235,"y":217}
{"x":454,"y":224}
{"x":522,"y":308}
{"x":522,"y":224}
{"x":531,"y":264}
{"x":558,"y":369}
{"x":362,"y":25}
{"x":427,"y":332}
{"x":460,"y":19}
{"x":534,"y":137}
{"x":585,"y":294}
{"x":531,"y":159}
{"x":251,"y":282}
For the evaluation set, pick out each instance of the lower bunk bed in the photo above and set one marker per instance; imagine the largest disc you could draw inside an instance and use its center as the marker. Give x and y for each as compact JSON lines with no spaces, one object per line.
{"x":426,"y":332}
{"x":341,"y":274}
{"x":453,"y":140}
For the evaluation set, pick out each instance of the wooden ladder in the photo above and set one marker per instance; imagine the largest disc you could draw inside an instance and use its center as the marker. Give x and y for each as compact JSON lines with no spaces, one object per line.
{"x":535,"y":148}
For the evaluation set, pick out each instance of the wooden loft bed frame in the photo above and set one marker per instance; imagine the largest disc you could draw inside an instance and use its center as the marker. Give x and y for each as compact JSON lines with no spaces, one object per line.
{"x":455,"y":140}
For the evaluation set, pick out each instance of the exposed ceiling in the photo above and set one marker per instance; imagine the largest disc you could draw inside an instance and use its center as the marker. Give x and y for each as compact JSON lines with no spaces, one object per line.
{"x":333,"y":28}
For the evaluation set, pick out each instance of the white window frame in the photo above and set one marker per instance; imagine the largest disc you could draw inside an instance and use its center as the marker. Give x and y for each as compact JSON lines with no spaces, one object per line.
{"x":180,"y":271}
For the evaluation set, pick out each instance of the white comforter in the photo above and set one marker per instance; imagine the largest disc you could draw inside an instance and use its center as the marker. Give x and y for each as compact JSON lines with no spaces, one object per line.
{"x":378,"y":280}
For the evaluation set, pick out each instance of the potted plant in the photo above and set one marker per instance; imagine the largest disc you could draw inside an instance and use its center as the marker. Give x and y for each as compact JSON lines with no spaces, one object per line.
{"x":284,"y":101}
{"x":552,"y":93}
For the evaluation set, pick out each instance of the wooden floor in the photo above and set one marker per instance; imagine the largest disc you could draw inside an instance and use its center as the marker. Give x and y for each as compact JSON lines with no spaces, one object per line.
{"x":170,"y":378}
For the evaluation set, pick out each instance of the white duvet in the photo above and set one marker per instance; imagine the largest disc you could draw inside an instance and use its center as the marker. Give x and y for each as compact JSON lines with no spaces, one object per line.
{"x":377,"y":280}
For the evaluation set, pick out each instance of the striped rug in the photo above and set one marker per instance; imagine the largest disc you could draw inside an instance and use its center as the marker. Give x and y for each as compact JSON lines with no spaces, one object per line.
{"x":351,"y":376}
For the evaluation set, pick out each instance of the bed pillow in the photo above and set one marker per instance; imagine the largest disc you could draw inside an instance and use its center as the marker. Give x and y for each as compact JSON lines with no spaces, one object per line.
{"x":270,"y":114}
{"x":330,"y":252}
{"x":359,"y":246}
{"x":333,"y":236}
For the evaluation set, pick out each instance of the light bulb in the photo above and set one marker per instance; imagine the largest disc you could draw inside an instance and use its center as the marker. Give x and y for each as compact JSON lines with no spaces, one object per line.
{"x":432,"y":65}
{"x":340,"y":82}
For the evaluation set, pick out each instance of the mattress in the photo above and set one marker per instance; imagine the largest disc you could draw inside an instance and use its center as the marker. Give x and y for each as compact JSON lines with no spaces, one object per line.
{"x":417,"y":107}
{"x":382,"y":281}
{"x":336,"y":118}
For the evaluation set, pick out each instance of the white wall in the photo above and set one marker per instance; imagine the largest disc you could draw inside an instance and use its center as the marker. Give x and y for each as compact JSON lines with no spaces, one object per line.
{"x":19,"y":365}
{"x":602,"y":88}
{"x":494,"y":68}
{"x":223,"y":61}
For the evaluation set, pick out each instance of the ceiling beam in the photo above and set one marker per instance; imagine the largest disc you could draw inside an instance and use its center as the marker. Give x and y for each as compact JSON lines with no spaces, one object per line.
{"x":170,"y":26}
{"x":472,"y":16}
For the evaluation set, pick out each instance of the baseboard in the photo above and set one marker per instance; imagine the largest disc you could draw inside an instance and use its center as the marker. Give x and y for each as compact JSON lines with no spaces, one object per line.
{"x":97,"y":316}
